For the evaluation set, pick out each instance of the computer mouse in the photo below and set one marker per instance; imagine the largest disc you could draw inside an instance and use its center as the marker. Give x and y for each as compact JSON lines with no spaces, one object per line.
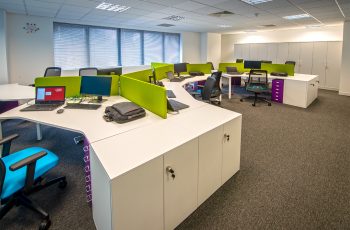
{"x":60,"y":111}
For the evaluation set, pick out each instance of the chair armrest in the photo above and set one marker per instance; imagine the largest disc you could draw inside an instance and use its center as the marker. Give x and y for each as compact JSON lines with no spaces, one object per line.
{"x":8,"y":139}
{"x":27,"y":161}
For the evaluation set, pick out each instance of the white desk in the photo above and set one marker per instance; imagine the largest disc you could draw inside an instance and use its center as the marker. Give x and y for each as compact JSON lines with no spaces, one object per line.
{"x":299,"y":90}
{"x":130,"y":184}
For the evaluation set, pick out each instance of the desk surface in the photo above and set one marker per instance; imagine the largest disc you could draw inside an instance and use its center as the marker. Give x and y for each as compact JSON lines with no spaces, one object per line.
{"x":15,"y":92}
{"x":296,"y":77}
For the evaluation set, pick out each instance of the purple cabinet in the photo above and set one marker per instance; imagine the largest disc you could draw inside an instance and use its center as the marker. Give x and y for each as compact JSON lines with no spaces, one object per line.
{"x":277,"y":90}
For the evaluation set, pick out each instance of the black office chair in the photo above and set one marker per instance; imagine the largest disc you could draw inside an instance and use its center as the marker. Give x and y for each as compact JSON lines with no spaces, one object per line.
{"x":208,"y":93}
{"x":265,"y":61}
{"x":257,"y":85}
{"x":290,"y":62}
{"x":21,"y":174}
{"x":239,"y":60}
{"x":52,"y":72}
{"x":88,"y":71}
{"x":212,"y":65}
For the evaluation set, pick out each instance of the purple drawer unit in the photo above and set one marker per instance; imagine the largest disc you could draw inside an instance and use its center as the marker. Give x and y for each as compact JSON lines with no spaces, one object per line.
{"x":277,"y":90}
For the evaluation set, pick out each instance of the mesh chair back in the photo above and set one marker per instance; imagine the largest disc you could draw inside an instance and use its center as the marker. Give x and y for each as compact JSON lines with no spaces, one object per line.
{"x":208,"y":88}
{"x":239,"y":60}
{"x":88,"y":72}
{"x":257,"y":76}
{"x":217,"y":75}
{"x":291,"y":62}
{"x":52,"y":72}
{"x":212,"y":65}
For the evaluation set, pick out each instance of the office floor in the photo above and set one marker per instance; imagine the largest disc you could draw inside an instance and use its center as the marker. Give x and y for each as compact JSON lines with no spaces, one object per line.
{"x":295,"y":172}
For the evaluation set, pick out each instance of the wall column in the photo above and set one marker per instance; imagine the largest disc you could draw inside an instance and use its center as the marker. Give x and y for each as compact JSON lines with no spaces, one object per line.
{"x":344,"y":87}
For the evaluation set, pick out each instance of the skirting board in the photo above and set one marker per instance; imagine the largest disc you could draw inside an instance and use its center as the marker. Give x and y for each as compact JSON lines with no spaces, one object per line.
{"x":344,"y":93}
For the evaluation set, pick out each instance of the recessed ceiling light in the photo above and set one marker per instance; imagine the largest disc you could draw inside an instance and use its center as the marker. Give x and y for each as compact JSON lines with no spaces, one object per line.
{"x":166,"y":25}
{"x":255,"y":2}
{"x":224,"y":26}
{"x":112,"y":7}
{"x":314,"y":26}
{"x":297,"y":16}
{"x":174,"y":18}
{"x":221,"y":13}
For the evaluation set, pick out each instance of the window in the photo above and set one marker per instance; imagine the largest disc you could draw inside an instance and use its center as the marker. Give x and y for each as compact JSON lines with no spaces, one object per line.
{"x":78,"y":46}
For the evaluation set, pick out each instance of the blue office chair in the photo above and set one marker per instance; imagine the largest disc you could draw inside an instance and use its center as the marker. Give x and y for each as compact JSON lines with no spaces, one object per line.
{"x":21,"y":173}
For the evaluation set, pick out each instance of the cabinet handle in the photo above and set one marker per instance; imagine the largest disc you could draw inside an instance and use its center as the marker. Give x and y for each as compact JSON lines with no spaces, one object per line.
{"x":312,"y":84}
{"x":170,"y":171}
{"x":227,"y":137}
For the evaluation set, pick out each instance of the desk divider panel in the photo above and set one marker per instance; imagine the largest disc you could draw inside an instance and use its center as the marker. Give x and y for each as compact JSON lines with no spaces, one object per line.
{"x":287,"y":68}
{"x":73,"y":83}
{"x":149,"y":96}
{"x":159,"y":64}
{"x":205,"y":68}
{"x":142,"y":75}
{"x":160,"y":72}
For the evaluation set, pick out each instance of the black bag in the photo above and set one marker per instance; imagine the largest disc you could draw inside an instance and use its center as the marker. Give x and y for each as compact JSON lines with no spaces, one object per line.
{"x":123,"y":112}
{"x":196,"y":73}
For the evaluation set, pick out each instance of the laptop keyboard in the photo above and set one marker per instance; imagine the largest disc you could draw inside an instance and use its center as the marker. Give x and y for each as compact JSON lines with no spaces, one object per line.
{"x":41,"y":107}
{"x":83,"y":106}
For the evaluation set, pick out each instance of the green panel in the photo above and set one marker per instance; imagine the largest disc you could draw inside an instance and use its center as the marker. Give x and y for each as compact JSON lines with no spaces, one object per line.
{"x":73,"y":83}
{"x":287,"y":68}
{"x":149,"y":96}
{"x":205,"y":68}
{"x":264,"y":66}
{"x":160,"y":72}
{"x":159,"y":64}
{"x":142,"y":75}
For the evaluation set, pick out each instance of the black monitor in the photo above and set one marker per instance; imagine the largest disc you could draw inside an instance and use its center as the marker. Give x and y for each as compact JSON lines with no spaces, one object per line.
{"x":180,"y":67}
{"x":110,"y":71}
{"x":96,"y":86}
{"x":252,"y":64}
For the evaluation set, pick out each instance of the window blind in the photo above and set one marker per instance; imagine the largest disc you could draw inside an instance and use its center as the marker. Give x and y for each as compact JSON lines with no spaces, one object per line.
{"x":131,"y":47}
{"x":153,"y":47}
{"x":171,"y":48}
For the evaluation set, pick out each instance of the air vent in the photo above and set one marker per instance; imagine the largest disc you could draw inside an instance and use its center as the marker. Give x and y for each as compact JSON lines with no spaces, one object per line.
{"x":166,"y":25}
{"x":174,"y":18}
{"x":221,"y":14}
{"x":268,"y":26}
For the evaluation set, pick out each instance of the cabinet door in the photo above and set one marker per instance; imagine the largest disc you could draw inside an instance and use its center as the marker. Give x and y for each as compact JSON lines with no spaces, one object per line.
{"x":294,"y":55}
{"x":238,"y":51}
{"x":231,"y":153}
{"x":210,"y":161}
{"x":262,"y":52}
{"x":245,"y":51}
{"x":334,"y":52}
{"x":282,"y":53}
{"x":180,"y":193}
{"x":137,"y":197}
{"x":272,"y":52}
{"x":306,"y":49}
{"x":254,"y":52}
{"x":319,"y":62}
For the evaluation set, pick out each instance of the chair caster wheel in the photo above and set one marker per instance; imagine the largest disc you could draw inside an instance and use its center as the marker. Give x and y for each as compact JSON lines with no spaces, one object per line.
{"x":45,"y":224}
{"x":241,"y":100}
{"x":269,"y":104}
{"x":62,"y":184}
{"x":253,"y":104}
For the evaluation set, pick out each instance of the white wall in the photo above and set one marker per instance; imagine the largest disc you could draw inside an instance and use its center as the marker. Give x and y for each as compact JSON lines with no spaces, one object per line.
{"x":3,"y":49}
{"x":327,"y":33}
{"x":344,"y":88}
{"x":191,"y":47}
{"x":214,"y":49}
{"x":28,"y":53}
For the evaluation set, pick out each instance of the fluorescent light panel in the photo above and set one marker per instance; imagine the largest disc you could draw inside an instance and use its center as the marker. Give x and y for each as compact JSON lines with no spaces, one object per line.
{"x":255,"y":2}
{"x":112,"y":7}
{"x":297,"y":16}
{"x":174,"y":18}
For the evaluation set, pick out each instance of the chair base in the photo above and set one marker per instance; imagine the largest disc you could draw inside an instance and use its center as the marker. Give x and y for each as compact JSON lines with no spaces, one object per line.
{"x":255,"y":98}
{"x":20,"y":198}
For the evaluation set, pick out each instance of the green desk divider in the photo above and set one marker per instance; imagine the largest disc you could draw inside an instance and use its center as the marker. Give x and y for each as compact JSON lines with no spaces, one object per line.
{"x":205,"y":68}
{"x":149,"y":96}
{"x":264,"y":66}
{"x":160,"y":72}
{"x":159,"y":64}
{"x":142,"y":75}
{"x":73,"y":83}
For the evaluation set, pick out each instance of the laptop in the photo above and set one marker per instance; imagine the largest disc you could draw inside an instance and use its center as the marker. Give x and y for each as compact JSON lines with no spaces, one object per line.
{"x":176,"y":105}
{"x":170,"y":94}
{"x":172,"y":78}
{"x":47,"y":98}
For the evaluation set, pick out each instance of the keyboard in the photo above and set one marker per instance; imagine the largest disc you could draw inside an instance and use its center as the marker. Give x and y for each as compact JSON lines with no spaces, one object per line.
{"x":176,"y":105}
{"x":177,"y":80}
{"x":83,"y":106}
{"x":41,"y":107}
{"x":170,"y":94}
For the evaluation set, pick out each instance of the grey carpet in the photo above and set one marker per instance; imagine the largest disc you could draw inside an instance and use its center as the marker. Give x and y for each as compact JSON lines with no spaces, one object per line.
{"x":295,"y":172}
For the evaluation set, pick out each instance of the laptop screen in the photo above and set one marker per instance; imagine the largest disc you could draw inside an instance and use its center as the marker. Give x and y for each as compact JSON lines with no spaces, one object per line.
{"x":50,"y":95}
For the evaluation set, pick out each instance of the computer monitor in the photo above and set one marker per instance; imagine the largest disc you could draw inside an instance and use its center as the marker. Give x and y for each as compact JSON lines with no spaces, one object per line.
{"x":252,"y":64}
{"x":180,"y":67}
{"x":96,"y":86}
{"x":110,"y":71}
{"x":50,"y":95}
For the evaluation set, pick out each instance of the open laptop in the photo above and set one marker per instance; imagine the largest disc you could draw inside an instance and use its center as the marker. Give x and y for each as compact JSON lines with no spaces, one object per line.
{"x":172,"y":78}
{"x":47,"y":98}
{"x":176,"y":105}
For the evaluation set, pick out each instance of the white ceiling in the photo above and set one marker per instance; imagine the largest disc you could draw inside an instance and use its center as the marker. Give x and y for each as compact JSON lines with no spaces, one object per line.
{"x":147,"y":14}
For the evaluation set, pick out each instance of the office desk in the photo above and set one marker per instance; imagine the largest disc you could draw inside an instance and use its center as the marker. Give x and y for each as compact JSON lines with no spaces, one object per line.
{"x":299,"y":90}
{"x":132,"y":187}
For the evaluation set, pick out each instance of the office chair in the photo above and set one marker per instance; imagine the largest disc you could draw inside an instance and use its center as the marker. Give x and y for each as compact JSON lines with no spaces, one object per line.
{"x":212,"y":65}
{"x":267,"y":62}
{"x":290,"y":62}
{"x":257,"y":85}
{"x":88,"y":72}
{"x":209,"y":93}
{"x":52,"y":72}
{"x":239,"y":60}
{"x":21,"y":174}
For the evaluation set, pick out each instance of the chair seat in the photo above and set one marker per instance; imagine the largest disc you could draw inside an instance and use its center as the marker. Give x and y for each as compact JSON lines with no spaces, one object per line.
{"x":257,"y":88}
{"x":15,"y":180}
